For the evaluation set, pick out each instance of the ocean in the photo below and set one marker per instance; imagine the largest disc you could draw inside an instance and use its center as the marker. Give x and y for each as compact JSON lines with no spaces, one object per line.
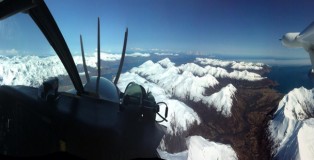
{"x":289,"y":73}
{"x":290,"y":77}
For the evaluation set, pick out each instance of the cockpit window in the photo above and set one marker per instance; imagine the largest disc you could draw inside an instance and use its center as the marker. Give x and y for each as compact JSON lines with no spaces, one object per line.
{"x":26,"y":57}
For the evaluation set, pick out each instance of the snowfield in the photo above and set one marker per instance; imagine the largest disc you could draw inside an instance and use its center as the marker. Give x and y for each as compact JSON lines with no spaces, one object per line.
{"x":292,"y":127}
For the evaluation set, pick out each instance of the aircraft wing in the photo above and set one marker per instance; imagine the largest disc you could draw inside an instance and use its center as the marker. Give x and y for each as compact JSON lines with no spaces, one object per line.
{"x":307,"y":35}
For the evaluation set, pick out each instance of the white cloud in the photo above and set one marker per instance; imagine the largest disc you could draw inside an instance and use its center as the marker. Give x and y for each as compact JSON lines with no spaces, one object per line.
{"x":166,"y":54}
{"x":138,"y":54}
{"x":137,"y":49}
{"x":9,"y":52}
{"x":151,"y":50}
{"x":92,"y":60}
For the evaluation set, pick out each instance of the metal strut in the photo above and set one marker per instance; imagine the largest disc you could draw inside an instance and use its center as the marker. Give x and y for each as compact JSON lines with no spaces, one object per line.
{"x":83,"y":59}
{"x":122,"y":57}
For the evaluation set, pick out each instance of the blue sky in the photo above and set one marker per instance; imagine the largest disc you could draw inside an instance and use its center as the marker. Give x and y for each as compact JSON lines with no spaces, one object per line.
{"x":244,"y":28}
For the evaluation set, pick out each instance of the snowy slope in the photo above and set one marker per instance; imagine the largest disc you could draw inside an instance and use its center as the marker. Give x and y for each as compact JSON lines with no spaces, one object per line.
{"x":173,"y":156}
{"x":29,"y":70}
{"x":222,"y":100}
{"x":292,"y":127}
{"x":202,"y":149}
{"x":181,"y":113}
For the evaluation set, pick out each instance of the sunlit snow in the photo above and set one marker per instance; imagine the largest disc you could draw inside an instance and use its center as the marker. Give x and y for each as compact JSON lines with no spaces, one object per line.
{"x":33,"y":70}
{"x":181,"y":113}
{"x":219,"y":72}
{"x":202,"y":149}
{"x":181,"y":82}
{"x":29,"y":70}
{"x":292,"y":127}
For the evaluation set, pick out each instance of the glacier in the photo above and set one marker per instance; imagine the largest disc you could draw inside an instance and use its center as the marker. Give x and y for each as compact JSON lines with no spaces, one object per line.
{"x":292,"y":127}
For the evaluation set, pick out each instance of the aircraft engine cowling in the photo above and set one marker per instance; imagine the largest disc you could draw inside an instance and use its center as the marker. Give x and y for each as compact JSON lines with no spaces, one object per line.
{"x":290,"y":40}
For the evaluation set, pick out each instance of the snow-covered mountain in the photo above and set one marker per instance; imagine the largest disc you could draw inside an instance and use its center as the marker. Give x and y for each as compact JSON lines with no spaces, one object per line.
{"x":182,"y":83}
{"x":29,"y":70}
{"x":219,"y":72}
{"x":178,"y":111}
{"x":292,"y":127}
{"x":232,"y":64}
{"x":33,"y":70}
{"x":290,"y":130}
{"x":208,"y":82}
{"x":174,"y":84}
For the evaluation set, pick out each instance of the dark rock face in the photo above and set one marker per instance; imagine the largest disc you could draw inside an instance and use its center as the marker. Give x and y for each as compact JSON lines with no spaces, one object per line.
{"x":246,"y":129}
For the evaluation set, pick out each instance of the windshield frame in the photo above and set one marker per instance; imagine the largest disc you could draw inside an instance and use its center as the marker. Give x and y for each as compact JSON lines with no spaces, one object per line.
{"x":43,"y":18}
